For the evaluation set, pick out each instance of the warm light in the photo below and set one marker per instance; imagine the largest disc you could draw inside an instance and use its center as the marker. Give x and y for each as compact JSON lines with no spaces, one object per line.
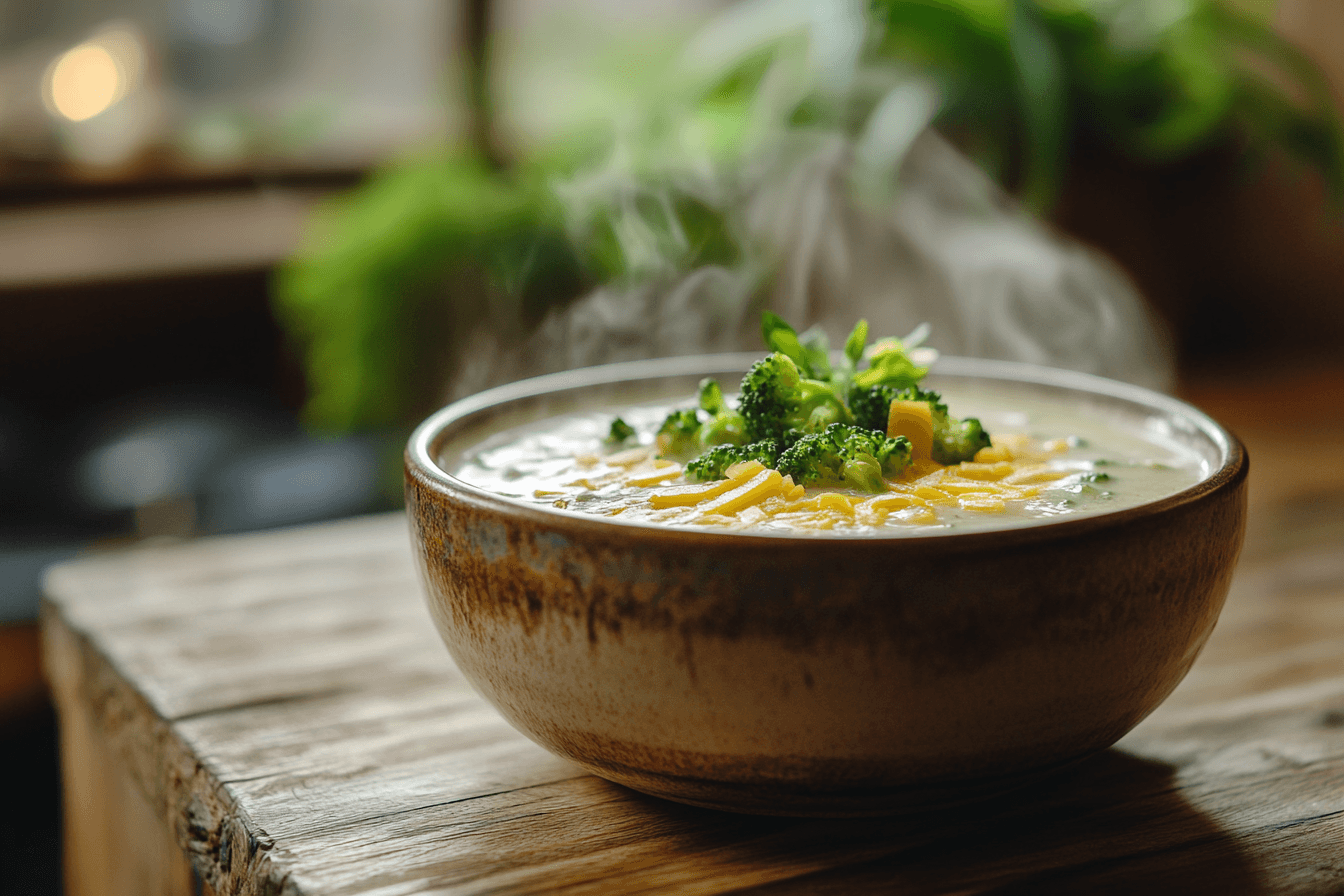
{"x":90,"y":78}
{"x":84,"y":82}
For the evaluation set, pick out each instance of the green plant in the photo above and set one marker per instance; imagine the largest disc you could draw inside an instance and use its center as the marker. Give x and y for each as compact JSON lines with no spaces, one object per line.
{"x":367,"y":300}
{"x":399,"y":272}
{"x":1026,"y":81}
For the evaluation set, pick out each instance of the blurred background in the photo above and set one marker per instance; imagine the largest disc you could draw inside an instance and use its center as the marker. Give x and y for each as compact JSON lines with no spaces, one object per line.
{"x":246,"y":244}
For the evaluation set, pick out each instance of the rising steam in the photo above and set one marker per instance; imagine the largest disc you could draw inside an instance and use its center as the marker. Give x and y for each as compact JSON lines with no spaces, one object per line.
{"x":831,"y":223}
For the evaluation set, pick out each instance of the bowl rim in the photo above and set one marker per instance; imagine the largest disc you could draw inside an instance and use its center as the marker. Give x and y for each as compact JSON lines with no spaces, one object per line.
{"x":429,"y":435}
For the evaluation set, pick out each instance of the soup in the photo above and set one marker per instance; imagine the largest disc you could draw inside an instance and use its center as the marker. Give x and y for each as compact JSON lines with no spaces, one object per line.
{"x":1047,"y":461}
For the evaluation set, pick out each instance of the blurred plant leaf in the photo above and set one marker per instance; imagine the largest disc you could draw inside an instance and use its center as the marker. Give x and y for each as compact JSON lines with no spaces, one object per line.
{"x":394,"y":244}
{"x":1042,"y":94}
{"x":1159,"y":80}
{"x":1283,"y":99}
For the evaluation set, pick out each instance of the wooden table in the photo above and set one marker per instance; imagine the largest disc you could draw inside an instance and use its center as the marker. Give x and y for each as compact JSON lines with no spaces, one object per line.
{"x":274,"y":714}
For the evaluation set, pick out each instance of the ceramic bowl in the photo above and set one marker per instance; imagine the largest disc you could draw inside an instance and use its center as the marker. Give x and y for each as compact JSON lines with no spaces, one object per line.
{"x":819,"y":675}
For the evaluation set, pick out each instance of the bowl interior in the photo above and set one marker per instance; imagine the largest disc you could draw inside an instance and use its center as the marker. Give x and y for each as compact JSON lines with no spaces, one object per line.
{"x":442,"y":443}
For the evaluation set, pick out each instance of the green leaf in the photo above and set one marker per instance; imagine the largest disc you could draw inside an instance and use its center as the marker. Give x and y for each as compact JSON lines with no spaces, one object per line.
{"x":782,"y":338}
{"x":1042,"y":93}
{"x":711,"y":396}
{"x":1309,"y":128}
{"x":816,"y":354}
{"x":858,"y":338}
{"x":890,"y":366}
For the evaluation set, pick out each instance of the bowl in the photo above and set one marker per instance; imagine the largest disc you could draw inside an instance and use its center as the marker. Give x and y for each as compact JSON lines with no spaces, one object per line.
{"x":806,"y":675}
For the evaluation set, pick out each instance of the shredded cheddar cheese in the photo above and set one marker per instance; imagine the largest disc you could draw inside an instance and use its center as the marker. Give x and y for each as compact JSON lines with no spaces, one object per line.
{"x":752,"y":493}
{"x":763,"y":485}
{"x":687,"y":495}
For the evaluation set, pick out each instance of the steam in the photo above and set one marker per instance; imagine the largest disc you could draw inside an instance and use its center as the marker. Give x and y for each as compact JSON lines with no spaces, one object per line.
{"x":951,"y":250}
{"x":890,"y":223}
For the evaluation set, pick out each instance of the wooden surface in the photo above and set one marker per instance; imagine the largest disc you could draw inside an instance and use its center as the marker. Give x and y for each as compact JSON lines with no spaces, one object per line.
{"x":280,"y":707}
{"x":95,"y":242}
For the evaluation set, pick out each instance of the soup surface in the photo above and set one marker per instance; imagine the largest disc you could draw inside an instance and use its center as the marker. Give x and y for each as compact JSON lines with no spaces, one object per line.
{"x":1047,"y":461}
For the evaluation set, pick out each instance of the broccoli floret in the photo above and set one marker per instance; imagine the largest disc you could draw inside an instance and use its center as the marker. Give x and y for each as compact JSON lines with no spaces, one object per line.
{"x":714,"y":463}
{"x":933,"y":399}
{"x":725,"y":425}
{"x":711,"y":396}
{"x":621,"y":432}
{"x":872,"y":406}
{"x":686,"y":432}
{"x":845,"y":455}
{"x":796,"y":410}
{"x":812,"y":460}
{"x":777,"y":398}
{"x":954,"y":440}
{"x":679,"y":436}
{"x":894,"y":455}
{"x":767,"y":390}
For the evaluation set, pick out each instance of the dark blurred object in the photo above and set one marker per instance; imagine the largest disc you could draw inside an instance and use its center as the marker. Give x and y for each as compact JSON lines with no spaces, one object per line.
{"x":1241,"y":255}
{"x":176,"y":463}
{"x":22,"y":561}
{"x":187,"y":463}
{"x":150,"y":459}
{"x":70,"y":350}
{"x":133,"y":376}
{"x":20,"y":452}
{"x":299,"y":479}
{"x":30,"y":825}
{"x":1237,"y":259}
{"x":22,"y":693}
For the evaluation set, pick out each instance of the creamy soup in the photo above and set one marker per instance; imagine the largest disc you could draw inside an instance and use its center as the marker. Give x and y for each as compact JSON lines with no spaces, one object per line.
{"x":1046,"y":462}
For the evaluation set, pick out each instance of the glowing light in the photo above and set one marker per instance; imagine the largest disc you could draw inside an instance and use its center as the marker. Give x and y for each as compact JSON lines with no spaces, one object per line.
{"x":84,"y":82}
{"x":91,"y":78}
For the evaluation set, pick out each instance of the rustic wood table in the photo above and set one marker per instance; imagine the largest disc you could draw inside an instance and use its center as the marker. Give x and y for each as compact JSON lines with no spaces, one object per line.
{"x":274,"y":714}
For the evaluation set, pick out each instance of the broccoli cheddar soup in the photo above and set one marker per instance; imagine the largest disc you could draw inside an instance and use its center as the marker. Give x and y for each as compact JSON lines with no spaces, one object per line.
{"x":1039,"y":460}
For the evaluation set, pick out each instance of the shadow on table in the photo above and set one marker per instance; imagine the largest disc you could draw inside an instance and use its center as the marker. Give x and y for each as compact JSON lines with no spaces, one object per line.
{"x":1112,"y":824}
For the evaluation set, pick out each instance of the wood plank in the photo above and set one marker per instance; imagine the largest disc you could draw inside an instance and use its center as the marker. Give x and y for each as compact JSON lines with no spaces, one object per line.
{"x":283,"y":703}
{"x":125,"y":846}
{"x":242,"y":229}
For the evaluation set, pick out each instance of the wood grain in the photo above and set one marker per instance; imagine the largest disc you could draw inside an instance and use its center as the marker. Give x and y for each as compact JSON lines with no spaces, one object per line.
{"x":283,"y":704}
{"x":124,"y":847}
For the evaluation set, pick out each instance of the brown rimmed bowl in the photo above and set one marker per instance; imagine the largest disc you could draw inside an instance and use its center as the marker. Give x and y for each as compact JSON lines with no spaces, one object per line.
{"x":820,"y":675}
